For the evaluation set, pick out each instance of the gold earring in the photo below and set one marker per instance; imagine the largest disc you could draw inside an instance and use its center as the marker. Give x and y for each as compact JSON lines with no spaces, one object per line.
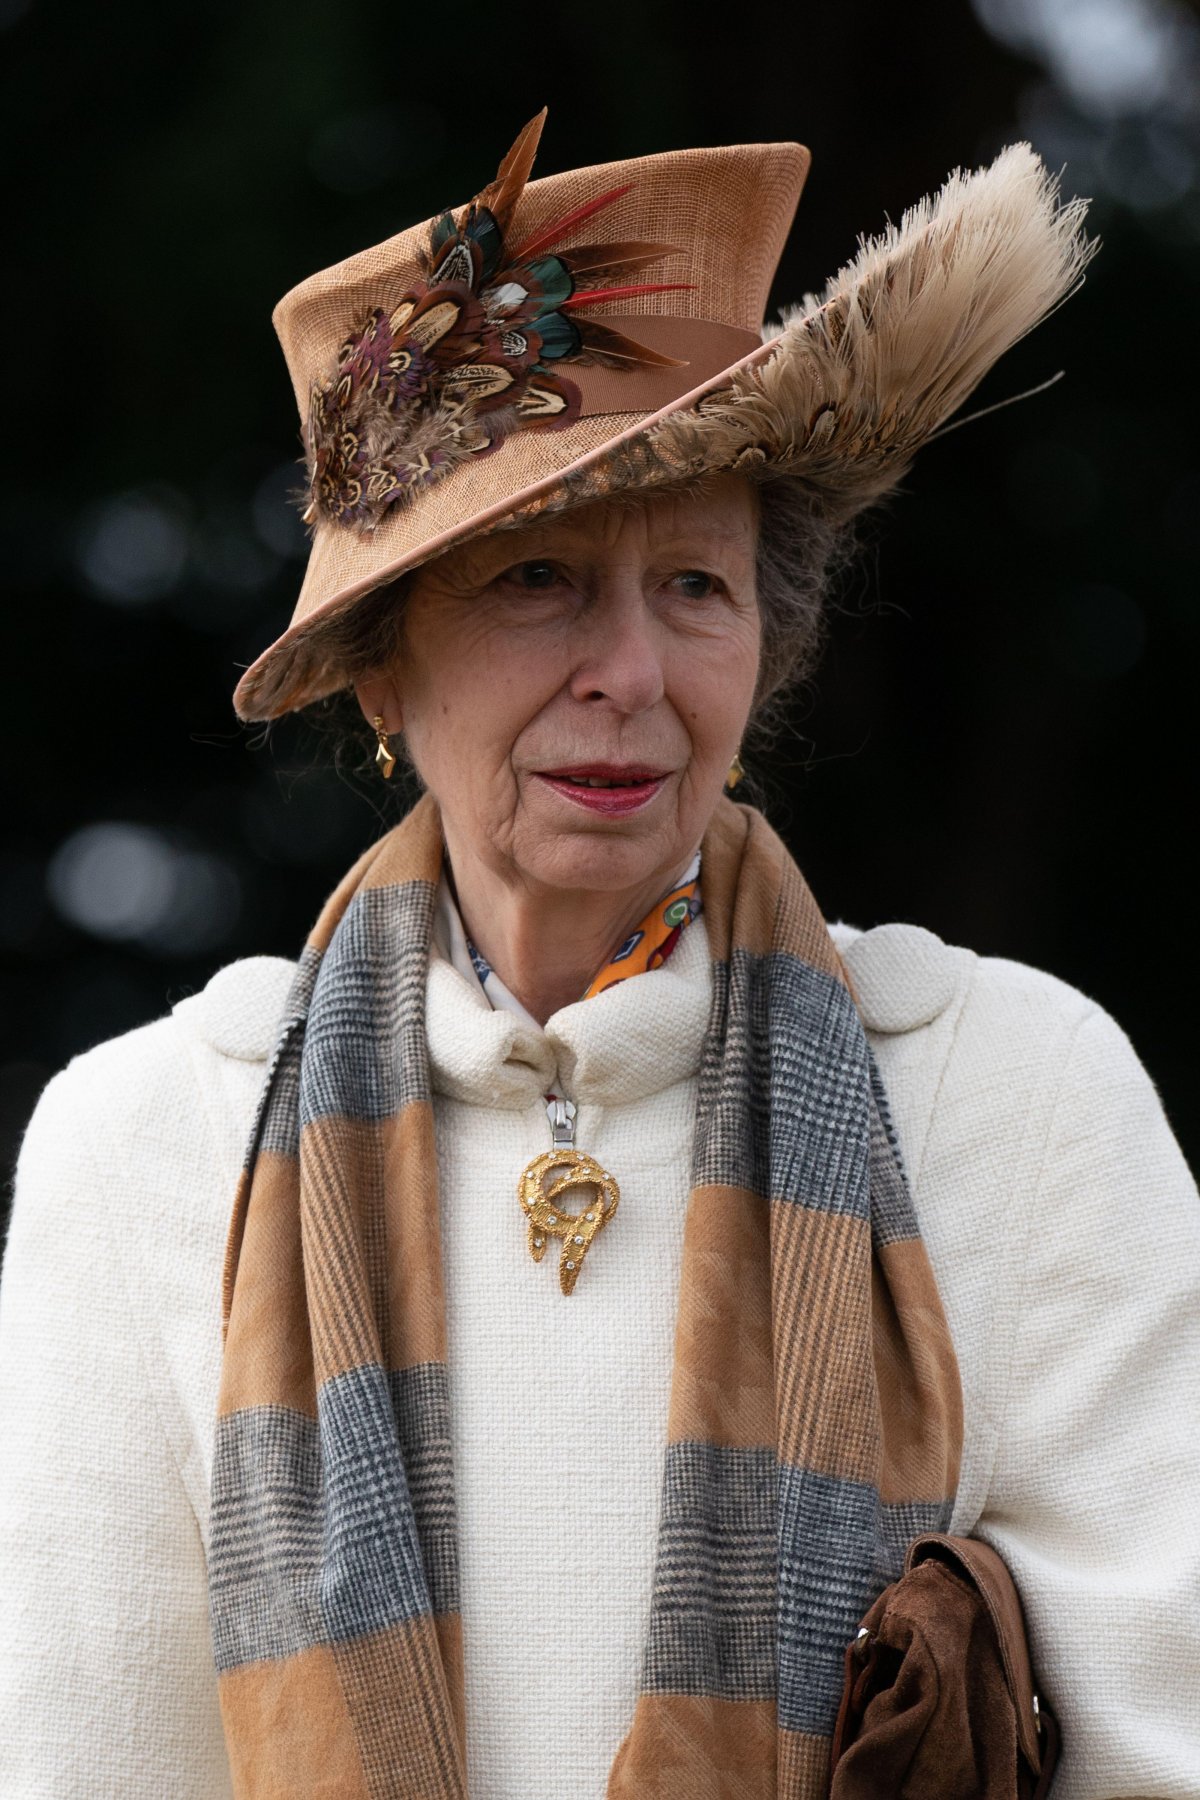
{"x":383,"y":756}
{"x":736,"y":771}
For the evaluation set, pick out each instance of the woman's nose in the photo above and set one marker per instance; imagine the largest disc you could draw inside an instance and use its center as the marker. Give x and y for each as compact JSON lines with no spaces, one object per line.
{"x":619,"y":655}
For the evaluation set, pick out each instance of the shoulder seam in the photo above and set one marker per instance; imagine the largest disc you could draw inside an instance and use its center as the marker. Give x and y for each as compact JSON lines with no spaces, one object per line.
{"x":958,"y":999}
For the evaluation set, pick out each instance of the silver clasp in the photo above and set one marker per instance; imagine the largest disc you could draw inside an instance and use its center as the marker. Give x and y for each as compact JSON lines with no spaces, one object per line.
{"x":561,"y":1114}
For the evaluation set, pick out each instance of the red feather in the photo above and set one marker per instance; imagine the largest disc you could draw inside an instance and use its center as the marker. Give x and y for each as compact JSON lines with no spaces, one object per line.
{"x":550,"y":234}
{"x":593,"y":296}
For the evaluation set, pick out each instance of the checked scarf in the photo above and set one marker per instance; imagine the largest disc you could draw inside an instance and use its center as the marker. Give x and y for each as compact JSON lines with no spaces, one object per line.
{"x":815,"y":1418}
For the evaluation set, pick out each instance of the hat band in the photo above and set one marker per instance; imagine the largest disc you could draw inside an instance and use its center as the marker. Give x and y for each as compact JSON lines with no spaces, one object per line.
{"x":708,"y":349}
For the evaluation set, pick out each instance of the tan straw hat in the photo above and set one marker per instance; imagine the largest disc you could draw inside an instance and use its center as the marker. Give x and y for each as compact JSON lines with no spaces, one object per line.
{"x":556,"y":340}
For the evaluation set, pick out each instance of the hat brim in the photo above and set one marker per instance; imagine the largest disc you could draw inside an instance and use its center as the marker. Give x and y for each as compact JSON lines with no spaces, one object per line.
{"x":291,"y":672}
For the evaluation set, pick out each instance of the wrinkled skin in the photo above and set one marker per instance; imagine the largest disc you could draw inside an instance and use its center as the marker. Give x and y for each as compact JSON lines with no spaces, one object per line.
{"x":618,"y":634}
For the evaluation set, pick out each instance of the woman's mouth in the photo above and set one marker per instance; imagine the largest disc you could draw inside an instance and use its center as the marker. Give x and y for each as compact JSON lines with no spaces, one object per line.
{"x":604,"y":787}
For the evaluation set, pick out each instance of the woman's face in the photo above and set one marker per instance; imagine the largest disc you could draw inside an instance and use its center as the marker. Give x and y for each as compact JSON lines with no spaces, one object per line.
{"x":616,"y":644}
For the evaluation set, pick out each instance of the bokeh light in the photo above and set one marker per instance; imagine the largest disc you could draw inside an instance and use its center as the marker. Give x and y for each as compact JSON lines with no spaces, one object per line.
{"x":1111,"y":57}
{"x":133,"y":548}
{"x":1097,"y":632}
{"x":131,"y":883}
{"x":277,"y":516}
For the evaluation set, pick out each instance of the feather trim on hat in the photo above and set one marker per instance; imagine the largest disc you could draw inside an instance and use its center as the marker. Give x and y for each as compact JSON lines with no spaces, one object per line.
{"x":451,"y":367}
{"x":863,"y":374}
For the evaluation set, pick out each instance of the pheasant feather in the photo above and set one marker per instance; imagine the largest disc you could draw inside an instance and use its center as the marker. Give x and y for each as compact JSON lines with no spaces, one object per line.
{"x":501,"y":196}
{"x":445,"y":372}
{"x":550,"y":234}
{"x":594,"y":296}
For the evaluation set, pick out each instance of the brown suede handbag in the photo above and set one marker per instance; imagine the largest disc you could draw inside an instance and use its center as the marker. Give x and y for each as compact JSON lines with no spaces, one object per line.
{"x":939,"y":1701}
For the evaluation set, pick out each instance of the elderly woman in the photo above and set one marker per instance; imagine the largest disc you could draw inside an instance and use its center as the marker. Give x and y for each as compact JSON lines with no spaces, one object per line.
{"x":507,"y":1352}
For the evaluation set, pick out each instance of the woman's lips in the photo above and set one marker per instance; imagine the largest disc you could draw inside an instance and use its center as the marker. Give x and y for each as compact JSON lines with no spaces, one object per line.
{"x":611,"y":802}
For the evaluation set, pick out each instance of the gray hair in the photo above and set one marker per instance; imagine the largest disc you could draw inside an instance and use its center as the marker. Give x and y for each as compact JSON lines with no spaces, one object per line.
{"x":800,"y":554}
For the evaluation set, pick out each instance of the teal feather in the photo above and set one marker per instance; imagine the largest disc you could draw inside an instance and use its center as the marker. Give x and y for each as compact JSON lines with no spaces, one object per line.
{"x":554,"y":281}
{"x":560,"y":337}
{"x":442,"y":232}
{"x":483,"y":230}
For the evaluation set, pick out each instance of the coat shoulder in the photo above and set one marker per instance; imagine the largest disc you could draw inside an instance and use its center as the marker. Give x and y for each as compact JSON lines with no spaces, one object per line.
{"x":238,"y":1010}
{"x":140,"y":1076}
{"x":905,"y":977}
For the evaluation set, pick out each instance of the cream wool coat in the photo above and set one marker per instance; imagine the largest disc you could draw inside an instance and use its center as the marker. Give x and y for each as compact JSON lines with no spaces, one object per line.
{"x":1064,"y":1230}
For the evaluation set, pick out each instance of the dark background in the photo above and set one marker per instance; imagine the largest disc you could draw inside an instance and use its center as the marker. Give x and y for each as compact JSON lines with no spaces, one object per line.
{"x":1000,"y":742}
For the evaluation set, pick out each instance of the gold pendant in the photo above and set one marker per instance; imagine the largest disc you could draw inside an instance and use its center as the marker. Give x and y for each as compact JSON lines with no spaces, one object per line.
{"x":541,"y":1199}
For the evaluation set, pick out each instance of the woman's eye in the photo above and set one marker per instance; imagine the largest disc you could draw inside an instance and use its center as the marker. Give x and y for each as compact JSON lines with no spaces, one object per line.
{"x":696,"y":584}
{"x":533,"y":574}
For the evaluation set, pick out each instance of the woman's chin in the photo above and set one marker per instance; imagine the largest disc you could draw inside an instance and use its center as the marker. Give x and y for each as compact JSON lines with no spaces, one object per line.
{"x":603,"y":862}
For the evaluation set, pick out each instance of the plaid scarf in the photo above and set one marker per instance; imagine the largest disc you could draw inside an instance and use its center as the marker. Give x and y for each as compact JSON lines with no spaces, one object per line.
{"x":815,"y":1413}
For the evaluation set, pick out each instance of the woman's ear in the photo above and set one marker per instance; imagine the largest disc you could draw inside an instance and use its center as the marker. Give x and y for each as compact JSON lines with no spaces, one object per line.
{"x":379,"y":696}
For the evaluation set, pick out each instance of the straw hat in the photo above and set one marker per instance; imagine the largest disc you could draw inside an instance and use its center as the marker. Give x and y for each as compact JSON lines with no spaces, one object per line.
{"x":556,"y":340}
